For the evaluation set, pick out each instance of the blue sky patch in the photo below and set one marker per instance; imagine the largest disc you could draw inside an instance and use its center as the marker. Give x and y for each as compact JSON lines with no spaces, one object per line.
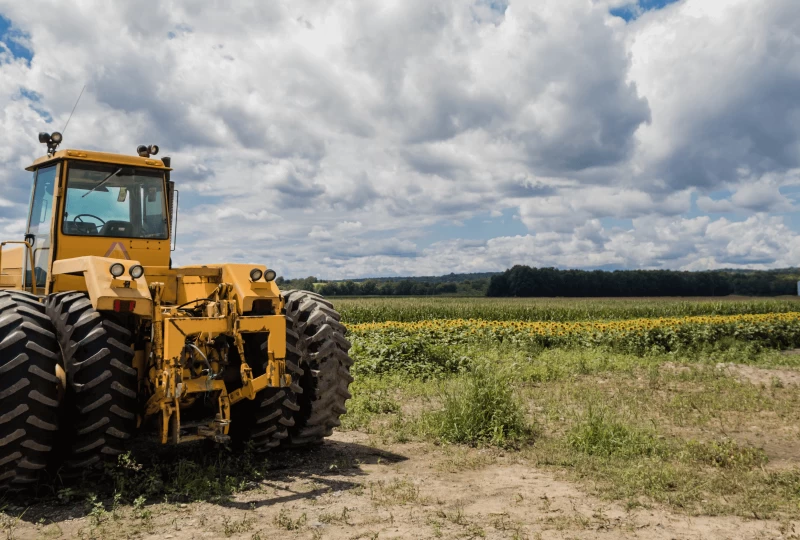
{"x":35,"y":103}
{"x":497,"y":5}
{"x":635,"y":9}
{"x":8,"y":37}
{"x":482,"y":227}
{"x":616,"y":223}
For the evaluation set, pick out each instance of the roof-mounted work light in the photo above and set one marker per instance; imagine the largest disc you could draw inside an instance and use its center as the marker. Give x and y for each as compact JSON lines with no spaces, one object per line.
{"x":147,"y":151}
{"x":51,"y":140}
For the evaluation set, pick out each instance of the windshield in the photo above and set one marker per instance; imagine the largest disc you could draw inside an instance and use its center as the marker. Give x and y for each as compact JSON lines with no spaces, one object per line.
{"x":39,"y":222}
{"x":112,"y":200}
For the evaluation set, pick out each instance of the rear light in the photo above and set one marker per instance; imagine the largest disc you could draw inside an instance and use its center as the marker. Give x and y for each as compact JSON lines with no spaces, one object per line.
{"x":124,"y":305}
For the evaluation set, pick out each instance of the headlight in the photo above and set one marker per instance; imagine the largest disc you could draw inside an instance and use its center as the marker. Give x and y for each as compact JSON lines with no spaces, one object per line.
{"x":269,"y":275}
{"x":136,"y":271}
{"x":117,"y":269}
{"x":255,"y":274}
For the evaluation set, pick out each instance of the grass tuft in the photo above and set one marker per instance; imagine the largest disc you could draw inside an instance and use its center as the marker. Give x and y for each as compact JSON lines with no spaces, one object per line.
{"x":372,"y":396}
{"x":602,"y":433}
{"x":480,"y":407}
{"x":726,"y":454}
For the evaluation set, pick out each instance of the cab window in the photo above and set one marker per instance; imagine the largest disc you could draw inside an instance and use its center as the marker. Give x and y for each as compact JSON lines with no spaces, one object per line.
{"x":39,"y":222}
{"x":113,"y":200}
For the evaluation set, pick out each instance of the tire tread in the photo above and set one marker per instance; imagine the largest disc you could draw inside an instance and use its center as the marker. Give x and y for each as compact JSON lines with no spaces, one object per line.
{"x":316,"y":342}
{"x":29,"y":391}
{"x":101,"y":381}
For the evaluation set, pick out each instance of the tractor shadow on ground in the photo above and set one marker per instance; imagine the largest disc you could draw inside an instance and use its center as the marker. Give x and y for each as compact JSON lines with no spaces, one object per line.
{"x":334,"y":466}
{"x":196,"y":473}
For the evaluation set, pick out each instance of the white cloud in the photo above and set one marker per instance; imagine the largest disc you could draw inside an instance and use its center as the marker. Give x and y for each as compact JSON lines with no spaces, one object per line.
{"x":338,"y":138}
{"x":572,"y":207}
{"x":754,"y":194}
{"x":721,"y":79}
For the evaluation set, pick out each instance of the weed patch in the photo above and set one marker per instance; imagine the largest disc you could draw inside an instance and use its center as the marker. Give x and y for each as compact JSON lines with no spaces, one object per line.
{"x":726,"y":454}
{"x":372,"y":396}
{"x":232,"y":526}
{"x":601,"y":433}
{"x":408,"y":355}
{"x":480,"y":407}
{"x":184,"y":475}
{"x":284,"y":520}
{"x":396,"y":492}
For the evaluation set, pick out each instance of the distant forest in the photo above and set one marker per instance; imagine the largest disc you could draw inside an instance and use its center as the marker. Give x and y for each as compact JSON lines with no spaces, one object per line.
{"x":452,"y":285}
{"x":524,"y":281}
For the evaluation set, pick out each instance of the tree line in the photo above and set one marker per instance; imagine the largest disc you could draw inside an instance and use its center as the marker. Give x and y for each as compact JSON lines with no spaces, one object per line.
{"x":525,"y":281}
{"x":390,"y":287}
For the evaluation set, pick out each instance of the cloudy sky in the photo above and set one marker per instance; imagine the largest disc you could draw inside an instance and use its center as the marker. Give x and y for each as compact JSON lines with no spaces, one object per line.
{"x":408,"y":137}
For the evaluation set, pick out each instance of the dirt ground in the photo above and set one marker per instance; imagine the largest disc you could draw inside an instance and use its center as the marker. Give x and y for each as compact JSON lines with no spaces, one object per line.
{"x":761,"y":376}
{"x":352,"y":487}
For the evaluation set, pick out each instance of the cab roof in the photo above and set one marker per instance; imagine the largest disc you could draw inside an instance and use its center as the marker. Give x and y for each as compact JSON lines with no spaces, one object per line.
{"x":100,"y":157}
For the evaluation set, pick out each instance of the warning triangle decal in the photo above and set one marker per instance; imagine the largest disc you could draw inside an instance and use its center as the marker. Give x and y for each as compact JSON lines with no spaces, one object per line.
{"x":117,"y":251}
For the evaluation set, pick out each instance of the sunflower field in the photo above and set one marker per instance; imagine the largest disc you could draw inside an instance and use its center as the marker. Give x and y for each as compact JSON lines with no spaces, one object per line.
{"x":419,"y":346}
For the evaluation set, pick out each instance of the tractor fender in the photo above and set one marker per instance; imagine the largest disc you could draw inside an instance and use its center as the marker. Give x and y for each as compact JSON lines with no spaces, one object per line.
{"x":106,"y":292}
{"x":246,"y":291}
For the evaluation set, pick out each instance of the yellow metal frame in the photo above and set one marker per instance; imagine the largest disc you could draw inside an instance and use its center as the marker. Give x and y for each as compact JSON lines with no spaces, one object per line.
{"x":99,"y":157}
{"x":171,"y":382}
{"x":30,"y":255}
{"x":103,"y":288}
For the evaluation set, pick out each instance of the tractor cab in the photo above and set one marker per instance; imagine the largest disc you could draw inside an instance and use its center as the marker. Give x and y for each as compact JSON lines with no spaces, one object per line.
{"x":91,"y":203}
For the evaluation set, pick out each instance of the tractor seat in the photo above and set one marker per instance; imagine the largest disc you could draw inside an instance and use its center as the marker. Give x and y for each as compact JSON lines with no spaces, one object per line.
{"x":117,"y":228}
{"x":81,"y":228}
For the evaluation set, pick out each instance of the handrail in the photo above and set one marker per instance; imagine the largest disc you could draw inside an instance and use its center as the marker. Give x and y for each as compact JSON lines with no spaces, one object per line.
{"x":30,"y":254}
{"x":175,"y":225}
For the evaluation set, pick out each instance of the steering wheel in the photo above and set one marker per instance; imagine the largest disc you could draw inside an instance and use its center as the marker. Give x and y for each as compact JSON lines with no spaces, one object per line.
{"x":79,"y":216}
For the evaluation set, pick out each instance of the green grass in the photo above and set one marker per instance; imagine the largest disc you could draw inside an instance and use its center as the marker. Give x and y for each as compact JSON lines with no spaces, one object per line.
{"x":671,"y":435}
{"x":184,"y":474}
{"x":602,"y":433}
{"x":660,"y":428}
{"x":372,"y":396}
{"x":380,"y":309}
{"x":481,"y":407}
{"x":411,"y":356}
{"x":641,"y":425}
{"x":417,"y":358}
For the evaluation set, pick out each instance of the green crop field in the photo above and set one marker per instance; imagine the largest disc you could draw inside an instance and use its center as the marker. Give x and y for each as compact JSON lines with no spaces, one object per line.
{"x":693,"y":403}
{"x":380,"y":309}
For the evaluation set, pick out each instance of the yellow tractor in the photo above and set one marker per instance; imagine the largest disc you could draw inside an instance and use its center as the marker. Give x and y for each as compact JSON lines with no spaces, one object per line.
{"x":101,"y":339}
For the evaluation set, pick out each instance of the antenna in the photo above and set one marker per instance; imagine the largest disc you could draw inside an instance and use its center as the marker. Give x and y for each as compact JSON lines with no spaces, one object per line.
{"x":73,"y":110}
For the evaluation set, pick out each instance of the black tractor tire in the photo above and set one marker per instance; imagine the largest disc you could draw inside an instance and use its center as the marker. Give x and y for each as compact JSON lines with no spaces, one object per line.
{"x":263,"y":423}
{"x":315,"y":341}
{"x":100,"y":413}
{"x":30,"y":390}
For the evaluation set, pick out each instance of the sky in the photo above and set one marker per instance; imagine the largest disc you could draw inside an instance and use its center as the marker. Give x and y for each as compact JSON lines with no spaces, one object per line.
{"x":357,"y":138}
